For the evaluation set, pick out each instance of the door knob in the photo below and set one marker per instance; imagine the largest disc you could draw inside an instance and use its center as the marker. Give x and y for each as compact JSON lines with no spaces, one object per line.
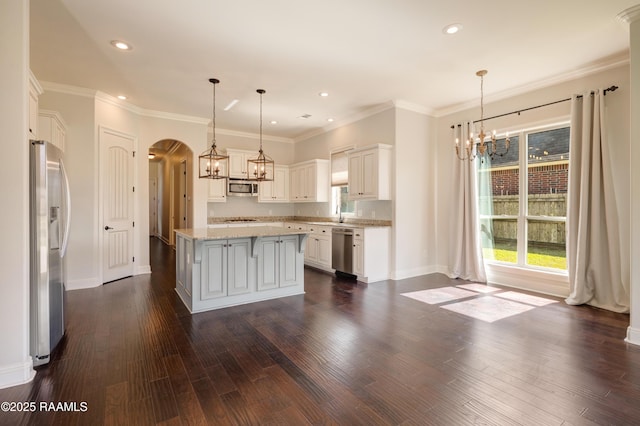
{"x":106,"y":228}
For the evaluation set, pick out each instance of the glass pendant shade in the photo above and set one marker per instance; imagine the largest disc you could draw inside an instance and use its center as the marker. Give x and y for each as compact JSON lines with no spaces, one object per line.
{"x":260,"y":168}
{"x":212,"y":164}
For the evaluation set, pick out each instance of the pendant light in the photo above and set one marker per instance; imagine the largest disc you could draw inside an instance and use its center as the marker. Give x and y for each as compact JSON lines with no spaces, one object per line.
{"x":213,"y":165}
{"x":260,"y":168}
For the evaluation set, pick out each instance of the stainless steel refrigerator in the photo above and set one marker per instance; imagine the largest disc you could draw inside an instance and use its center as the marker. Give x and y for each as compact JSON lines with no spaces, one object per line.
{"x":49,"y":230}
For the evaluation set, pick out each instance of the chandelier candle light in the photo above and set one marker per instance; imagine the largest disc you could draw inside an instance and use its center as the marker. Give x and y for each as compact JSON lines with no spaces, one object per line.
{"x":481,"y":148}
{"x":260,"y":168}
{"x":212,"y":165}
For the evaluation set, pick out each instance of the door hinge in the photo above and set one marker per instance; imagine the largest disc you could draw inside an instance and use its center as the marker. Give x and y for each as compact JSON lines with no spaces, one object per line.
{"x":133,"y":189}
{"x":134,"y":154}
{"x":133,"y":259}
{"x":134,"y":225}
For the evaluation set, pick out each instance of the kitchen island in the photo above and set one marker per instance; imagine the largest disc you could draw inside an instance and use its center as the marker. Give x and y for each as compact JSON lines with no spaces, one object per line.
{"x":217,"y":268}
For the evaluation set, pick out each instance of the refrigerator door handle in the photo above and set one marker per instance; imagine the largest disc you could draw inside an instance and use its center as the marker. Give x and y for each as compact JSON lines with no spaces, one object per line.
{"x":67,"y":198}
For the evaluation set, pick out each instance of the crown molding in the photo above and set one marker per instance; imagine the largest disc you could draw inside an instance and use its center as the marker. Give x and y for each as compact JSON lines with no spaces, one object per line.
{"x":68,"y":90}
{"x":630,"y":15}
{"x":413,"y":107}
{"x":610,"y":63}
{"x":250,"y":135}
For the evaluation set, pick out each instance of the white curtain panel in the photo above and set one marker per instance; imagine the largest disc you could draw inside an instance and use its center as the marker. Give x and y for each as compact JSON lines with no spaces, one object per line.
{"x":593,"y":249}
{"x":465,"y":255}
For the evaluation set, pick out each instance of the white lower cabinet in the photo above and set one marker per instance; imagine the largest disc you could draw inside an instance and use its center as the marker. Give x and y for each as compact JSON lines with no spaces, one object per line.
{"x":226,"y":268}
{"x":277,"y":265}
{"x":371,"y":254}
{"x":318,"y":252}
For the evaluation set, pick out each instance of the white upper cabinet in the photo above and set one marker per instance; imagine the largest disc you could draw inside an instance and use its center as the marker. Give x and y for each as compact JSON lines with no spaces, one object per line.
{"x":238,"y":162}
{"x":309,"y":181}
{"x":370,"y":173}
{"x":277,"y":190}
{"x":52,"y":128}
{"x":35,"y":90}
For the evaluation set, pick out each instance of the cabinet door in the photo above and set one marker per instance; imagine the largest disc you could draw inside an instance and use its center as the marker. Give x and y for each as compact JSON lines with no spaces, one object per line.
{"x":288,"y":270}
{"x":280,"y":184}
{"x":369,"y":174}
{"x":311,"y":249}
{"x":237,"y":165}
{"x":268,"y":249}
{"x":324,"y":250}
{"x":358,"y":257}
{"x":294,"y":184}
{"x":355,"y":176}
{"x":311,"y":190}
{"x":265,"y":192}
{"x":218,"y":188}
{"x":33,"y":113}
{"x":238,"y":273}
{"x":213,"y":270}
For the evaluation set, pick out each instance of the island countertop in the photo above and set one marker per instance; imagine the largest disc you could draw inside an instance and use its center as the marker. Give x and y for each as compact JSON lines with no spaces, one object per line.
{"x":237,"y":232}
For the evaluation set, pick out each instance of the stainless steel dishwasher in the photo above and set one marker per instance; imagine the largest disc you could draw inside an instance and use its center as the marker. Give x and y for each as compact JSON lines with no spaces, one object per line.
{"x":342,"y":250}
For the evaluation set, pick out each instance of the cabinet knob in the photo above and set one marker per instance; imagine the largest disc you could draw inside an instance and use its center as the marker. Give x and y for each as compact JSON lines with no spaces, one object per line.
{"x":354,"y":245}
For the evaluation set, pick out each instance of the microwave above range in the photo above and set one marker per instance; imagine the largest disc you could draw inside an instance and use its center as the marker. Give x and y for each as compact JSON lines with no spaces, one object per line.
{"x":242,"y":188}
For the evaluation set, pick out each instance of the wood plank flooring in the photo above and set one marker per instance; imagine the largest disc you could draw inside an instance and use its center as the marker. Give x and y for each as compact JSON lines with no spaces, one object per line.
{"x":343,"y":354}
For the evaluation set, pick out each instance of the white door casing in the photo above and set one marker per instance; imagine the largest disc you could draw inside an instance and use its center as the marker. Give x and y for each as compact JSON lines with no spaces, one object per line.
{"x":153,"y":207}
{"x":117,"y":177}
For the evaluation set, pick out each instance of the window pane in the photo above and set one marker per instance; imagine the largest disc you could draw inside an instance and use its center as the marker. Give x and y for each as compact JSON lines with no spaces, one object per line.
{"x":346,"y":206}
{"x":499,"y":239}
{"x":498,"y":182}
{"x":546,"y":244}
{"x":548,"y":172}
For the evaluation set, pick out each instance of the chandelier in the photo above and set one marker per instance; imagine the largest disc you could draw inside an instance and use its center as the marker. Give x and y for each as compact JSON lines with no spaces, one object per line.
{"x":477,"y":146}
{"x":213,"y":165}
{"x":261,"y":167}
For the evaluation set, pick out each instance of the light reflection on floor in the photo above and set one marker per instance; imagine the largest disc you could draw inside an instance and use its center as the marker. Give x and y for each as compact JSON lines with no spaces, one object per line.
{"x":482,"y":302}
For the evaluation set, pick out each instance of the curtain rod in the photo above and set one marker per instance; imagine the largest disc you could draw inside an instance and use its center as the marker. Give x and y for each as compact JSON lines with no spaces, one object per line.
{"x":608,"y":89}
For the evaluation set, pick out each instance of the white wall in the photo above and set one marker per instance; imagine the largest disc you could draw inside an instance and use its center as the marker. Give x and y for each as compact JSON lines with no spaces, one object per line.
{"x":15,"y":363}
{"x":80,"y":157}
{"x":633,"y":332}
{"x":413,"y":235}
{"x":617,"y":105}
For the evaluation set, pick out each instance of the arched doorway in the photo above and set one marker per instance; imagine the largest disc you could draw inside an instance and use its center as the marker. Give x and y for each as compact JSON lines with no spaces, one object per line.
{"x":170,"y":188}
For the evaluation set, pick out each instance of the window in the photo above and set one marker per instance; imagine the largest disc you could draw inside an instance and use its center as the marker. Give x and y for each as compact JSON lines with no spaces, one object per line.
{"x":340,"y":205}
{"x":523,"y":200}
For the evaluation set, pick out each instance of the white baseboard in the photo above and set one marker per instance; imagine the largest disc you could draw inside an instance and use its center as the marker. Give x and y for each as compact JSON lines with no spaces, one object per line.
{"x":16,"y":374}
{"x":413,"y":272}
{"x":633,"y":336}
{"x":143,"y":269}
{"x":82,"y":284}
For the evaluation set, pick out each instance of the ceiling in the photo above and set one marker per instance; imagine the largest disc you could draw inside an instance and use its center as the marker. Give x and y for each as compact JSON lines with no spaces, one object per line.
{"x":364,"y":53}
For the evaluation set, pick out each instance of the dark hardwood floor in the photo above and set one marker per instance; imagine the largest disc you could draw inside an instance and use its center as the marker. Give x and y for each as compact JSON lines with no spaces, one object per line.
{"x":342,"y":354}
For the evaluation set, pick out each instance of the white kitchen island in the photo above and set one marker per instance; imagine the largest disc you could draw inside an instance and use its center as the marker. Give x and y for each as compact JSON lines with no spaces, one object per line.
{"x":217,"y":268}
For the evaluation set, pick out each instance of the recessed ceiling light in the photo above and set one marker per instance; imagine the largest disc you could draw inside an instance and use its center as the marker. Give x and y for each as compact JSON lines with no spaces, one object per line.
{"x":323,"y":94}
{"x":330,"y":120}
{"x":274,"y":122}
{"x":452,"y":29}
{"x":122,"y":97}
{"x":121,"y":45}
{"x":231,"y":105}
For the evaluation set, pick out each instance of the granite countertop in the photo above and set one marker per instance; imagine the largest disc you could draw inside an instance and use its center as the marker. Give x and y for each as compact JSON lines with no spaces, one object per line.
{"x":239,"y":232}
{"x":321,"y":221}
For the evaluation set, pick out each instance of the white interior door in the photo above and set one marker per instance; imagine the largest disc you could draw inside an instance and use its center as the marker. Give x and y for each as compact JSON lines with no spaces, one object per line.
{"x":117,"y":167}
